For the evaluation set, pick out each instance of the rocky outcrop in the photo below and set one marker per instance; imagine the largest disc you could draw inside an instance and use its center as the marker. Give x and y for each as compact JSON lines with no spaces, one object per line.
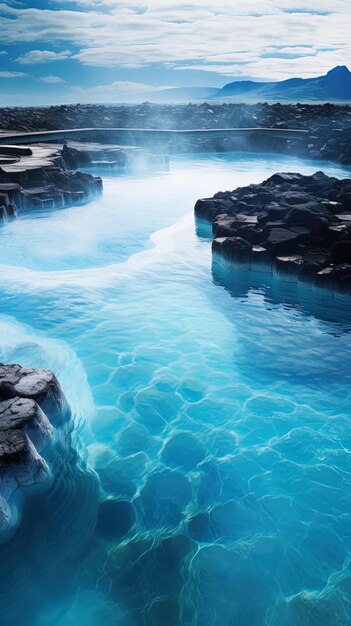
{"x":49,"y":498}
{"x":106,"y":156}
{"x":328,"y":125}
{"x":37,"y":177}
{"x":292,"y":225}
{"x":31,"y":405}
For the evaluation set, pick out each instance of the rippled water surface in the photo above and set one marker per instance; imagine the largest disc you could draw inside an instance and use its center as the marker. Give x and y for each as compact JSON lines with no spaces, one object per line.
{"x":218,"y":423}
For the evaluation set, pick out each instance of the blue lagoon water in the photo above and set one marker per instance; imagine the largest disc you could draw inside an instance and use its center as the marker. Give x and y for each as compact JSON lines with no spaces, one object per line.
{"x":217,"y":421}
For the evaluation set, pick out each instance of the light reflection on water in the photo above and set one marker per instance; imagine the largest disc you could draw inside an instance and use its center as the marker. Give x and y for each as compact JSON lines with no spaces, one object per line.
{"x":220,"y":423}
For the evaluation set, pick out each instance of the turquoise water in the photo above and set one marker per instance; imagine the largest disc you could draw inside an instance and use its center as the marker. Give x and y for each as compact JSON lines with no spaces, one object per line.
{"x":217,"y":421}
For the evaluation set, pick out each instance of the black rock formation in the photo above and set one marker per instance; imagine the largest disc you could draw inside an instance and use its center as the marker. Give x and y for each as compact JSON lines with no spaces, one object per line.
{"x":37,"y":177}
{"x":104,"y":156}
{"x":327,"y":125}
{"x":290,"y":224}
{"x":49,"y":498}
{"x":31,"y":404}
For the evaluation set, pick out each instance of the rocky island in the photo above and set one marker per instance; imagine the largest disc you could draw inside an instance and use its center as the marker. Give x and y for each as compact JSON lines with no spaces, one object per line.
{"x":290,"y":225}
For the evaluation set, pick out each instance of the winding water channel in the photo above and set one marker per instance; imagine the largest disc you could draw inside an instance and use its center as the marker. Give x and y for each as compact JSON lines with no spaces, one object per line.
{"x":218,"y":425}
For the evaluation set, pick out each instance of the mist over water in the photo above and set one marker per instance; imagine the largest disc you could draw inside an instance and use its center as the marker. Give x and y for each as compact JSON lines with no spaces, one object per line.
{"x":218,"y":424}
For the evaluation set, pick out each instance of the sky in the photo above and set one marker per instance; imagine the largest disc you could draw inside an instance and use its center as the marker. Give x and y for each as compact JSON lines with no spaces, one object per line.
{"x":61,"y":51}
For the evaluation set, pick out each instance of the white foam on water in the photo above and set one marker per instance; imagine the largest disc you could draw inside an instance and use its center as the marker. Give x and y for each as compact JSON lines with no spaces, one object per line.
{"x":19,"y":343}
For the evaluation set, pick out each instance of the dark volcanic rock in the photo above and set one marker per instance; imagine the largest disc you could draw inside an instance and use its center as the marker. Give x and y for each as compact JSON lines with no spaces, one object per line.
{"x":328,"y":126}
{"x":39,"y":179}
{"x":29,"y":400}
{"x":37,"y":384}
{"x":304,"y":229}
{"x":19,"y":463}
{"x":14,"y":447}
{"x":281,"y":241}
{"x":27,"y":415}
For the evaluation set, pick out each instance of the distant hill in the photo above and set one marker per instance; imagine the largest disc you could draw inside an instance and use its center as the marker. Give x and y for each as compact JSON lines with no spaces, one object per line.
{"x":182,"y":94}
{"x":335,"y":85}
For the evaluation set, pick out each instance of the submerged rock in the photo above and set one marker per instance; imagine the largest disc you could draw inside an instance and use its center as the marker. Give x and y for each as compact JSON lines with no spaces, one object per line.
{"x":146,"y":576}
{"x":115,"y":518}
{"x":183,"y":450}
{"x":292,"y":225}
{"x":163,"y":499}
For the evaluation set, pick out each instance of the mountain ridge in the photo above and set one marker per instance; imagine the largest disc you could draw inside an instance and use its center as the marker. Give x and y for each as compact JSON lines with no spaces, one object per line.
{"x":335,"y":85}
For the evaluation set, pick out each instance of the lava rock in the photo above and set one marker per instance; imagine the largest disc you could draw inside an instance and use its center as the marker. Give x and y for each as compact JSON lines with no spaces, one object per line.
{"x":39,"y":179}
{"x":29,"y":399}
{"x":37,"y":384}
{"x":20,"y":463}
{"x":326,"y":126}
{"x":26,"y":414}
{"x":281,"y":240}
{"x":301,"y":232}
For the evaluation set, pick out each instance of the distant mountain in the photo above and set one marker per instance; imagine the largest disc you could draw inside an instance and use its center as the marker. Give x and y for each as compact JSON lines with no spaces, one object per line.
{"x":335,"y":85}
{"x":181,"y":94}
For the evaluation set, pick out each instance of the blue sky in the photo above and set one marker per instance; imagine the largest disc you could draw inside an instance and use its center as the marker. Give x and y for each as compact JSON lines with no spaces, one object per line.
{"x":55,"y":51}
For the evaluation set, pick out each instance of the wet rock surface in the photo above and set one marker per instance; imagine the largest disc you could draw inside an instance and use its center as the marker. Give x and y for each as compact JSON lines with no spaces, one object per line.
{"x":328,"y":125}
{"x":38,"y":177}
{"x":38,"y":385}
{"x":31,"y":402}
{"x":290,"y":224}
{"x":105,"y":157}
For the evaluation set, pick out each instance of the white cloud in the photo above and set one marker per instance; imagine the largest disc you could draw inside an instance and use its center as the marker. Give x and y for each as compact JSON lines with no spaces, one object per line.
{"x":6,"y":74}
{"x":42,"y":56}
{"x":239,"y":7}
{"x":51,"y":80}
{"x":235,"y":37}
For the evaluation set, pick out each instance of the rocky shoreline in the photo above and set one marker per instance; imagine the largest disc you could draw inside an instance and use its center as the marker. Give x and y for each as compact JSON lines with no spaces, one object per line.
{"x":47,"y":176}
{"x":327,"y":125}
{"x":32,"y":405}
{"x":37,"y":177}
{"x":290,"y":225}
